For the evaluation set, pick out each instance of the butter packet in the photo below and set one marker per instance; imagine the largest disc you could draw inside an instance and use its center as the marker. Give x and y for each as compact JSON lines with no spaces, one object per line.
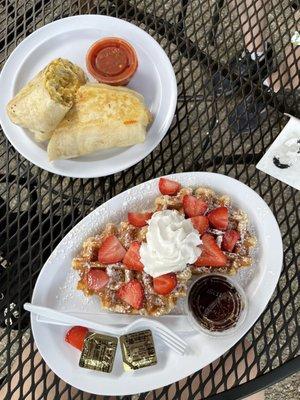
{"x":282,"y":160}
{"x":98,"y":352}
{"x":138,"y":350}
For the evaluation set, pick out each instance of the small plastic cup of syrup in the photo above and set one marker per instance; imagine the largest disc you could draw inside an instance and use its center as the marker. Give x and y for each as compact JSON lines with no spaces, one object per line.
{"x":216,"y":305}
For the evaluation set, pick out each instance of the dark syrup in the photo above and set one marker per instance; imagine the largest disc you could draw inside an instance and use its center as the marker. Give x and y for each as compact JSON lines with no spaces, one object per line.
{"x":215,"y":303}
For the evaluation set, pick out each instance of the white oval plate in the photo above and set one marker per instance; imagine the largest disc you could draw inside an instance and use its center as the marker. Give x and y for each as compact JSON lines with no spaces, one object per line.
{"x":70,"y":38}
{"x":56,"y":283}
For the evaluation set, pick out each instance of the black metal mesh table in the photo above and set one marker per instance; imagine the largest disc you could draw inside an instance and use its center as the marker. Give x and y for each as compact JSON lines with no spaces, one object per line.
{"x":37,"y":208}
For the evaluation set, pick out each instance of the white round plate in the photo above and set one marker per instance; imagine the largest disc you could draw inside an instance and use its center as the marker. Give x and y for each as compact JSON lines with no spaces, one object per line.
{"x":56,"y":284}
{"x":70,"y":38}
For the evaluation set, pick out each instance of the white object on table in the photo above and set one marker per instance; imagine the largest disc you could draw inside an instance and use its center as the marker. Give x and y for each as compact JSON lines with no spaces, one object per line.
{"x":56,"y":288}
{"x":286,"y":150}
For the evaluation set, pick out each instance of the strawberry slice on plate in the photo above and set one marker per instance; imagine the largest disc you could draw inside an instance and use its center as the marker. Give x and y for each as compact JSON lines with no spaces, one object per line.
{"x":164,"y":284}
{"x":193,"y":206}
{"x":139,"y":219}
{"x":132,"y":293}
{"x":167,"y":186}
{"x":212,"y":255}
{"x":132,"y":257}
{"x":218,"y":218}
{"x":97,"y":279}
{"x":200,"y":223}
{"x":229,"y":239}
{"x":111,"y":251}
{"x":75,"y":336}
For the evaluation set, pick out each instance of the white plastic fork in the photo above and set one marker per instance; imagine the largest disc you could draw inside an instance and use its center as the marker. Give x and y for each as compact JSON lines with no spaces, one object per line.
{"x":171,"y":339}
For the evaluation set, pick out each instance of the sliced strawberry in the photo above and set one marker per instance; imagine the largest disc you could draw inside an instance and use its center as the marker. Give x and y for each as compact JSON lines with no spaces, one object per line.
{"x":218,"y":218}
{"x":139,"y":219}
{"x":166,"y":186}
{"x":75,"y":336}
{"x":97,"y":279}
{"x":200,"y":223}
{"x":132,"y":293}
{"x":164,"y":284}
{"x":193,"y":206}
{"x":111,"y":251}
{"x":229,"y":240}
{"x":212,"y":255}
{"x":132,"y":257}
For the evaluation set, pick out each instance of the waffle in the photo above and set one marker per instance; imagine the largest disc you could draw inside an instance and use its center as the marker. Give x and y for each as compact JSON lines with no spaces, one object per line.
{"x":238,"y":220}
{"x":153,"y":303}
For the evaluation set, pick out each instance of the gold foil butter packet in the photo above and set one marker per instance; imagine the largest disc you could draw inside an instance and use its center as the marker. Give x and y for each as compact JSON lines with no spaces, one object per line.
{"x":138,"y":350}
{"x":98,"y":352}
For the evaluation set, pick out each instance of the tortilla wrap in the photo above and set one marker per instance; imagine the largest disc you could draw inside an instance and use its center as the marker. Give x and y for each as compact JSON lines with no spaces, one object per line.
{"x":102,"y":117}
{"x":42,"y":104}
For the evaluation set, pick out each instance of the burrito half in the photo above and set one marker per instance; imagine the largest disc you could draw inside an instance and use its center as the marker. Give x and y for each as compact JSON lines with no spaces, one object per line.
{"x":42,"y":104}
{"x":102,"y":117}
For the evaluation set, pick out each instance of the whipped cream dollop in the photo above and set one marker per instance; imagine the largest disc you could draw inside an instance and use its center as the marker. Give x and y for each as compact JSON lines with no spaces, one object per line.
{"x":172,"y":243}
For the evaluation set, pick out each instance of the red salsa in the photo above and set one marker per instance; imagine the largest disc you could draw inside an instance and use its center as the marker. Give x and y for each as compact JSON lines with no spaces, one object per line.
{"x":112,"y":61}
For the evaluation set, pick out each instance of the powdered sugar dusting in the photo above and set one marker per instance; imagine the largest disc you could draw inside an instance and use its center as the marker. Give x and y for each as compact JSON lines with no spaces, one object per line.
{"x":70,"y":299}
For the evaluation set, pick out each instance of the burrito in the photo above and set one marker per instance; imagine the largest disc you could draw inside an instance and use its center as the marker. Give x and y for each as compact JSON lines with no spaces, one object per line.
{"x":43,"y":103}
{"x":102,"y":117}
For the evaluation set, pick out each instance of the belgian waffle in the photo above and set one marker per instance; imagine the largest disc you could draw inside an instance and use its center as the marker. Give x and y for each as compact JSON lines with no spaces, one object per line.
{"x":155,"y":304}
